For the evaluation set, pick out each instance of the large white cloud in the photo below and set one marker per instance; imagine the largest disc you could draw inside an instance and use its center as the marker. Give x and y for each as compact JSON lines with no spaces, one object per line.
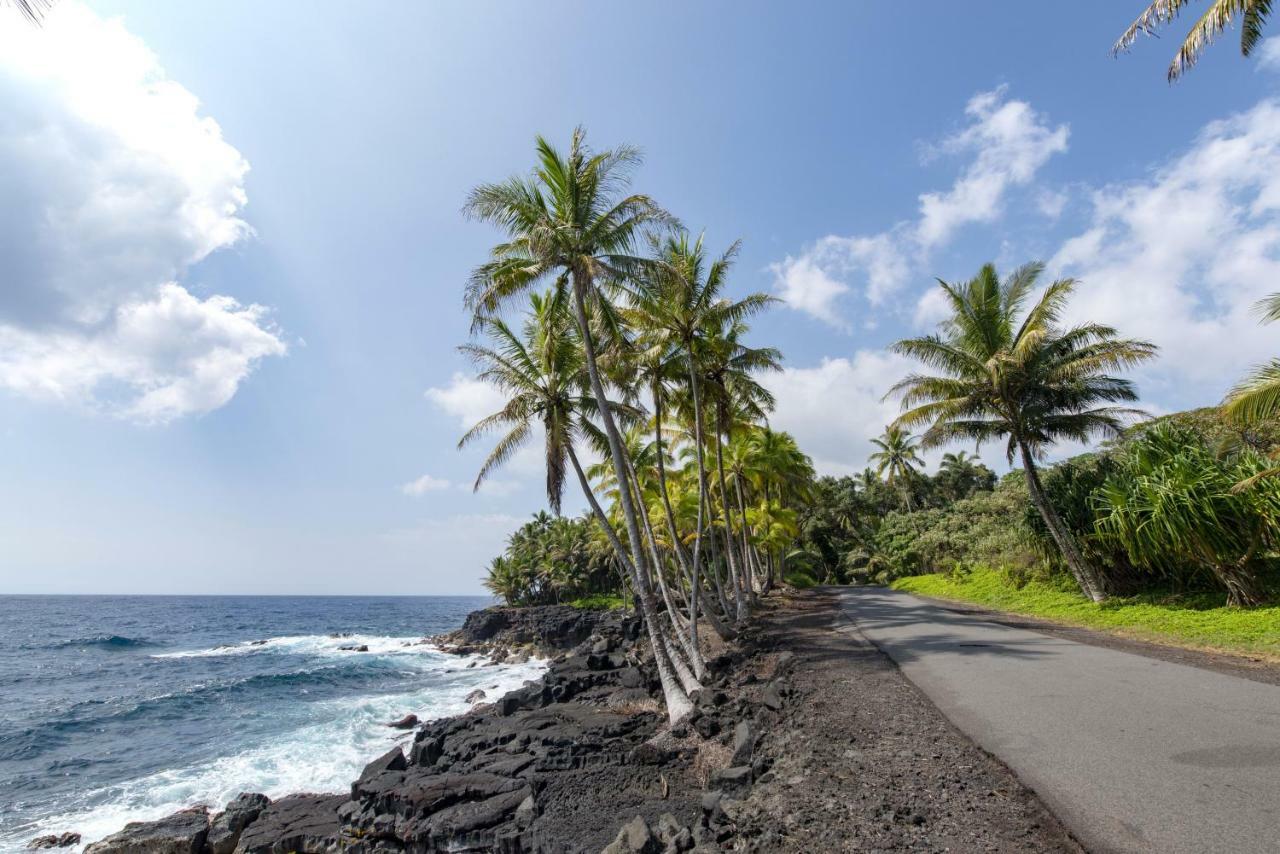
{"x":1007,"y":143}
{"x":114,"y":185}
{"x":835,"y":408}
{"x":1180,"y":258}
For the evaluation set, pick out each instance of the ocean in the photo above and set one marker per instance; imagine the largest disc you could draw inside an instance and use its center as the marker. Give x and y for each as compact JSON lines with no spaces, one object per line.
{"x":125,"y":708}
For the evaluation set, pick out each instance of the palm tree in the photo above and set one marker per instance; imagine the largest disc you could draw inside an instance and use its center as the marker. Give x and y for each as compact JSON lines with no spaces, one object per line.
{"x":1008,"y":373}
{"x":569,"y":220}
{"x":1256,"y":398}
{"x":541,"y":375}
{"x":677,"y":305}
{"x":1220,"y":14}
{"x":897,"y":459}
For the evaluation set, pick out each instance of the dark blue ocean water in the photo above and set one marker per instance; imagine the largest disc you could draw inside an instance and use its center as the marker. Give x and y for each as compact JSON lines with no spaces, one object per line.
{"x":121,"y":708}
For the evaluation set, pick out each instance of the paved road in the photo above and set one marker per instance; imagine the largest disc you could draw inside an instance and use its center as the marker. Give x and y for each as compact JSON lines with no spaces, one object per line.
{"x":1131,"y":753}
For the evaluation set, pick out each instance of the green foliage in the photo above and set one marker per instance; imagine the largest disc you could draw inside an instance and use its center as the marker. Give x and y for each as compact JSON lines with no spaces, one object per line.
{"x":1197,"y":619}
{"x":981,"y":529}
{"x":1173,"y":504}
{"x":598,"y":602}
{"x":553,"y":559}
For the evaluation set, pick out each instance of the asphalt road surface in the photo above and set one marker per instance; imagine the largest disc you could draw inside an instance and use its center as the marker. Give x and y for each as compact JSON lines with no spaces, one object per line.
{"x":1132,"y":753}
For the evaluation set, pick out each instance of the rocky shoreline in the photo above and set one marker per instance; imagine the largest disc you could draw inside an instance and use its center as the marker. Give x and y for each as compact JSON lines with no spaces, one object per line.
{"x":582,"y":760}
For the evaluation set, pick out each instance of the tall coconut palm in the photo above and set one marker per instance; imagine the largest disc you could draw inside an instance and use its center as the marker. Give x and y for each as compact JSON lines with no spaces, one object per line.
{"x":540,"y":372}
{"x":729,"y":370}
{"x":571,"y":220}
{"x":896,"y":462}
{"x":676,"y":305}
{"x":898,"y":456}
{"x":1006,"y":372}
{"x":1253,"y":16}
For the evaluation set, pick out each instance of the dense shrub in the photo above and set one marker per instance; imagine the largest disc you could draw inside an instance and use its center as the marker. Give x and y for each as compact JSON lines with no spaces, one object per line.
{"x":552,"y":559}
{"x":1174,"y":506}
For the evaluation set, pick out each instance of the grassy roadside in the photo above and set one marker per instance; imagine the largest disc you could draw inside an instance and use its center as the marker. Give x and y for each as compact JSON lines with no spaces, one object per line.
{"x":1199,"y":622}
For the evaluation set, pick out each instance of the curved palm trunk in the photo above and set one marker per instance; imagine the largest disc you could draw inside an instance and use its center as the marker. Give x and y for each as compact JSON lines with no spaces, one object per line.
{"x":1085,"y":575}
{"x":678,"y":705}
{"x":694,"y":680}
{"x":739,"y":600}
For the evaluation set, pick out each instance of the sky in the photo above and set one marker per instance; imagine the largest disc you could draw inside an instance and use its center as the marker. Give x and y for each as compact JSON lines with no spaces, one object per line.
{"x":232,"y":253}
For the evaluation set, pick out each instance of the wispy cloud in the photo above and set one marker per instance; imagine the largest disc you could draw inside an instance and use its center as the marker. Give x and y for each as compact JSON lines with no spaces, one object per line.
{"x":1006,"y":143}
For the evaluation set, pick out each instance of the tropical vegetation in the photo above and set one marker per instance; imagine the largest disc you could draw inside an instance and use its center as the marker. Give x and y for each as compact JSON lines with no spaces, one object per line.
{"x":633,"y":364}
{"x":611,"y":334}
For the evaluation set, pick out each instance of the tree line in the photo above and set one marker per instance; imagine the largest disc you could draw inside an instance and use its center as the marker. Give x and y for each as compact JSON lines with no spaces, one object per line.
{"x":608,"y":328}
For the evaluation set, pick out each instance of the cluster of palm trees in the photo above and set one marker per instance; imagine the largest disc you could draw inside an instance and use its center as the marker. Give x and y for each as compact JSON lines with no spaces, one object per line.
{"x":631,"y":352}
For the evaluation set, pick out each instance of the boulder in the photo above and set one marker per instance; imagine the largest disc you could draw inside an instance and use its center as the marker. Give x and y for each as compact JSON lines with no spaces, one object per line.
{"x":55,"y":840}
{"x":744,"y":743}
{"x":475,"y":696}
{"x":296,"y":823}
{"x":771,"y":696}
{"x":634,"y":838}
{"x":732,"y":779}
{"x":406,"y":722}
{"x":225,"y":830}
{"x":184,"y":832}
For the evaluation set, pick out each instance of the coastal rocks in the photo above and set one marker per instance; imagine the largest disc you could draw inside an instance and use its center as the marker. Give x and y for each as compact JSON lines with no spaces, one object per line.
{"x":406,"y":722}
{"x":355,"y":647}
{"x":184,"y":832}
{"x":296,"y":823}
{"x":545,"y":629}
{"x":226,"y":827}
{"x":54,"y":840}
{"x":475,"y":696}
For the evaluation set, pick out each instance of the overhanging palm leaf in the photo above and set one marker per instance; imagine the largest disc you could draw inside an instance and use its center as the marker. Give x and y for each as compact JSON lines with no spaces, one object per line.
{"x":1253,"y":16}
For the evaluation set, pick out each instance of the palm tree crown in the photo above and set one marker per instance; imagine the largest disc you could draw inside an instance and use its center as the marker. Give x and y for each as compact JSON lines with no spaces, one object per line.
{"x":897,"y":459}
{"x":1009,"y":373}
{"x":1005,"y":371}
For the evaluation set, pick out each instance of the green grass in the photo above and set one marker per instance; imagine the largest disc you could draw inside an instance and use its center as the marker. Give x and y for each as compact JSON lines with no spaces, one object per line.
{"x":1199,"y":621}
{"x":600,"y":602}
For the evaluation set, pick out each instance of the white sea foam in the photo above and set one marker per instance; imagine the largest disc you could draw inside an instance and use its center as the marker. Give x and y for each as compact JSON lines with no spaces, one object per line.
{"x":324,"y":754}
{"x":326,"y":645}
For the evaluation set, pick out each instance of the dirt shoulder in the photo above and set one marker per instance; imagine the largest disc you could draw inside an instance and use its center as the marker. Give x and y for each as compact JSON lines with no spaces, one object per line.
{"x":1244,"y":666}
{"x":862,"y":761}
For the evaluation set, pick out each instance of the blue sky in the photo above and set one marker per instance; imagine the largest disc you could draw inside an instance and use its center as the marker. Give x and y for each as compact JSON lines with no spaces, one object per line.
{"x":234,"y":255}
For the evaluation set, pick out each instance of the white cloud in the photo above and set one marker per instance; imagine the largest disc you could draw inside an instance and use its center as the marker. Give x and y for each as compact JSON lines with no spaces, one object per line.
{"x":425,"y":484}
{"x":114,"y":185}
{"x":1007,"y":142}
{"x":467,"y":399}
{"x":1181,"y":257}
{"x":1010,"y":142}
{"x":1269,"y":55}
{"x":835,"y":409}
{"x":806,"y":287}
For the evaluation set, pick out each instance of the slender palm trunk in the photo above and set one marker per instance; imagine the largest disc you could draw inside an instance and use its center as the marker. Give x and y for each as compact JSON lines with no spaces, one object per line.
{"x":1085,"y":575}
{"x":690,"y":569}
{"x":678,"y":705}
{"x":739,"y":601}
{"x":694,"y":680}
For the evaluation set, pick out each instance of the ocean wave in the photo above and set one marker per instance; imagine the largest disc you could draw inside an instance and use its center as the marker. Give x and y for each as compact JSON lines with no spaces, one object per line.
{"x":324,"y":754}
{"x":99,"y":641}
{"x":323,"y":645}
